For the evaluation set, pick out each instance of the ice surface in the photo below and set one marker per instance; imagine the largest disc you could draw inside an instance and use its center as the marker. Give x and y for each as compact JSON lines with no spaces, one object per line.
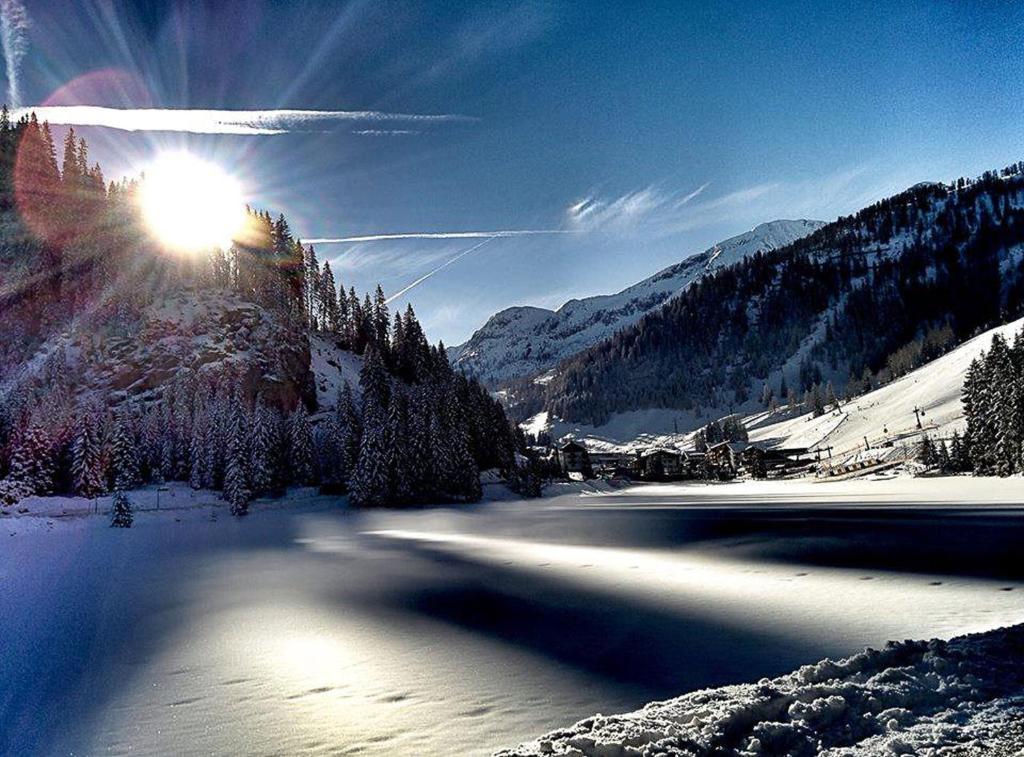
{"x":308,"y":628}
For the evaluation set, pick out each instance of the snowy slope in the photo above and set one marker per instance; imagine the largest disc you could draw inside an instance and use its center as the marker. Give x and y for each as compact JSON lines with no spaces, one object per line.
{"x":332,"y":367}
{"x":883,"y":415}
{"x":520,"y":341}
{"x":887,"y":413}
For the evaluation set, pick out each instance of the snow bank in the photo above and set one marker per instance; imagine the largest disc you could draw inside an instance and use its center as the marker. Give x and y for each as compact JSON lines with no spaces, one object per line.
{"x":965,"y":696}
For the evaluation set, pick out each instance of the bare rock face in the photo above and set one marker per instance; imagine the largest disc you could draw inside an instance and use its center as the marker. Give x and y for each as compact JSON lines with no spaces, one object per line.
{"x":196,"y":332}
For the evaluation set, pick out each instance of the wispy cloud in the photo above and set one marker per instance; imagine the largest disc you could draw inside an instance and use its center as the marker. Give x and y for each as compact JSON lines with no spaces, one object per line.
{"x":246,"y":122}
{"x":626,"y":212}
{"x":656,"y":213}
{"x":386,"y":132}
{"x":439,"y":235}
{"x":13,"y":25}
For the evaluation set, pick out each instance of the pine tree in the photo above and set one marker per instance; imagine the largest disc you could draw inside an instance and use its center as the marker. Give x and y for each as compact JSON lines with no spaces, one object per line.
{"x":927,"y":452}
{"x":125,"y":454}
{"x":942,"y":457}
{"x":200,"y":463}
{"x":370,"y":484}
{"x":236,"y":472}
{"x":351,"y":429}
{"x":86,"y":460}
{"x":300,"y":447}
{"x":262,"y":457}
{"x":123,"y":516}
{"x":33,"y":460}
{"x":328,"y":301}
{"x":312,"y":291}
{"x":381,"y":324}
{"x":957,"y":457}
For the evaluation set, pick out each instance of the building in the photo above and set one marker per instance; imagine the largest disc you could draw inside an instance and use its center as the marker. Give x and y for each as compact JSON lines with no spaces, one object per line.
{"x":661,"y":463}
{"x":723,"y":459}
{"x":574,"y":458}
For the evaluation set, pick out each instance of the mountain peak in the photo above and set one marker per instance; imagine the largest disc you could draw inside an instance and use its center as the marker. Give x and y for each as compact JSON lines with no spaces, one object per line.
{"x":521,"y":341}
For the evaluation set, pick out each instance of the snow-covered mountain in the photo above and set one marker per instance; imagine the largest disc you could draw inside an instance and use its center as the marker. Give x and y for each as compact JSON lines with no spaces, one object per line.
{"x":521,"y":341}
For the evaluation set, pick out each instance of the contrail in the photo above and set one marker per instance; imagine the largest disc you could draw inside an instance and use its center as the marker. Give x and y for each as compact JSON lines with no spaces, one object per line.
{"x":199,"y":121}
{"x":13,"y":25}
{"x":441,"y":267}
{"x":440,"y":235}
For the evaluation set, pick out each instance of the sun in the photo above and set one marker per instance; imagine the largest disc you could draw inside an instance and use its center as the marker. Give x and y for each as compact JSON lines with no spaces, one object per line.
{"x":191,"y":204}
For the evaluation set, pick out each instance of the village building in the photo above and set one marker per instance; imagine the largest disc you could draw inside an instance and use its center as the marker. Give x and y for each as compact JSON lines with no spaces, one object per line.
{"x":661,"y":463}
{"x":574,"y":458}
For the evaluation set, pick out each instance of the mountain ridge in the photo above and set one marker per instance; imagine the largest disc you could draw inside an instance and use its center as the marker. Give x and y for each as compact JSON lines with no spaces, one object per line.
{"x":525,"y":340}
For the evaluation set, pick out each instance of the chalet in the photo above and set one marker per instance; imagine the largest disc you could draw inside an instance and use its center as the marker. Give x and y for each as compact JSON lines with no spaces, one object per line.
{"x":754,"y":460}
{"x":659,"y":463}
{"x":574,"y":458}
{"x":723,"y":458}
{"x":694,"y":464}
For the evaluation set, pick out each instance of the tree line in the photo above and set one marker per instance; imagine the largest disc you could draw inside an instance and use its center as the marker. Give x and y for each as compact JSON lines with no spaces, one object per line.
{"x":993,"y":400}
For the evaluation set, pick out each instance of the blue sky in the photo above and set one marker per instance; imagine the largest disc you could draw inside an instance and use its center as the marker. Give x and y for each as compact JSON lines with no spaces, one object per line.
{"x":642,"y":131}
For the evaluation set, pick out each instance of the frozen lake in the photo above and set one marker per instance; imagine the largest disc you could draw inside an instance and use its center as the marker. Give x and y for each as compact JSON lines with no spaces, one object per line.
{"x":321,"y":631}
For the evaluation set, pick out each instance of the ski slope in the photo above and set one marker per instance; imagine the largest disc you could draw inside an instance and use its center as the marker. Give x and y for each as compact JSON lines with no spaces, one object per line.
{"x":887,"y":413}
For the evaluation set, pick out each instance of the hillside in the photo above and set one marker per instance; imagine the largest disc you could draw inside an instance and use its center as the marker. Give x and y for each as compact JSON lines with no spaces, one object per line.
{"x":887,"y":413}
{"x":521,"y":341}
{"x":868,"y":297}
{"x":128,"y":359}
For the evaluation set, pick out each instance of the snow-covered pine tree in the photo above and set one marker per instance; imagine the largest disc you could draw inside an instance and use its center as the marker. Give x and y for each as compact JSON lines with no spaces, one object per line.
{"x":263,"y":450}
{"x":942,"y":458}
{"x":88,"y":476}
{"x":344,"y":317}
{"x":123,"y":517}
{"x":958,"y":459}
{"x":328,"y":301}
{"x":150,"y":444}
{"x":400,"y":486}
{"x":312,"y":287}
{"x":167,"y":444}
{"x":125,"y":453}
{"x":236,"y":467}
{"x":300,"y":447}
{"x":33,"y":460}
{"x":422,"y":473}
{"x":1003,"y":412}
{"x":926,"y":454}
{"x":370,"y":483}
{"x":351,"y":429}
{"x":200,"y":473}
{"x":381,"y":324}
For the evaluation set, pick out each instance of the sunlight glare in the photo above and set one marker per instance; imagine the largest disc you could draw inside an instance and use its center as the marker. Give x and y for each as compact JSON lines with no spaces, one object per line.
{"x":191,"y":204}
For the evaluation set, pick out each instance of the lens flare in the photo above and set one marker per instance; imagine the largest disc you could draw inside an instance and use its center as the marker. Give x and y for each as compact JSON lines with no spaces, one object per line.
{"x":191,"y":204}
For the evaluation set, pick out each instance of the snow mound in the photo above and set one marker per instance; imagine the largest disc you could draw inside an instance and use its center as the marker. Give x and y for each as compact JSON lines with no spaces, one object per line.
{"x":964,"y":696}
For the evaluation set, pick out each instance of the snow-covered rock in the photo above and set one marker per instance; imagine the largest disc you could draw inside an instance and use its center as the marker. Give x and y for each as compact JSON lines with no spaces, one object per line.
{"x":964,"y":696}
{"x":521,"y":341}
{"x":332,"y":366}
{"x":182,"y":331}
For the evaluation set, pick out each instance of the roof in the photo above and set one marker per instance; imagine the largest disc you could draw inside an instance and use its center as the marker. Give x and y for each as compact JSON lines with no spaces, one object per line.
{"x":572,"y":444}
{"x":661,"y":450}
